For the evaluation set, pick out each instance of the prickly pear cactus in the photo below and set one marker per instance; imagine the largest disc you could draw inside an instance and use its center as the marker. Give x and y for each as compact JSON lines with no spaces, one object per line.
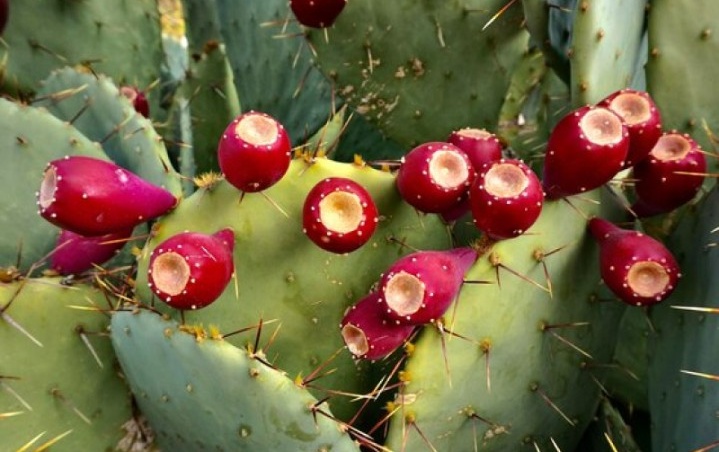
{"x":282,"y":277}
{"x":209,"y":394}
{"x":452,"y":72}
{"x":530,"y":339}
{"x":58,"y":381}
{"x":535,"y":351}
{"x":26,"y":153}
{"x":682,"y":373}
{"x":121,"y":39}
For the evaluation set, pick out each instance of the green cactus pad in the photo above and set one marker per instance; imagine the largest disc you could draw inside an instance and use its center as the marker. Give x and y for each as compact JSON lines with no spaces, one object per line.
{"x":627,"y":379}
{"x":62,"y":388}
{"x":683,"y":63}
{"x":30,"y":138}
{"x":550,"y":29}
{"x":422,"y":69}
{"x":609,"y":431}
{"x":120,"y":39}
{"x":606,"y":46}
{"x":203,"y":24}
{"x":281,"y":275}
{"x":273,"y":65}
{"x":683,"y":403}
{"x":523,"y":369}
{"x":213,"y":104}
{"x":210,"y":395}
{"x":98,"y":110}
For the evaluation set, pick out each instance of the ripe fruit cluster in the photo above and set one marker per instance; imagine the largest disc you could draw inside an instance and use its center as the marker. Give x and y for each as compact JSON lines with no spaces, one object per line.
{"x":590,"y":145}
{"x":416,"y":290}
{"x":468,"y":173}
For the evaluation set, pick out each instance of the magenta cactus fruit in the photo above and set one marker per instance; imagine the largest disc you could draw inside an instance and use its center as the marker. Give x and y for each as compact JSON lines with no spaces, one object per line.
{"x":480,"y":145}
{"x":92,"y":197}
{"x":434,"y":176}
{"x":670,"y":176}
{"x":368,"y":333}
{"x":190,"y":270}
{"x":636,"y":268}
{"x":506,"y":199}
{"x":585,"y":150}
{"x":75,"y":253}
{"x":418,"y":288}
{"x":254,"y":152}
{"x":642,"y":119}
{"x":317,"y":13}
{"x":137,"y":98}
{"x":4,"y":13}
{"x":339,"y":215}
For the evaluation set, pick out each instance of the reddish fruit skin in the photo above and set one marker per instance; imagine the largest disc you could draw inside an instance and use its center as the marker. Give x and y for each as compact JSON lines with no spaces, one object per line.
{"x":75,"y":253}
{"x":383,"y":335}
{"x":506,"y":217}
{"x":93,"y":197}
{"x":457,"y":211}
{"x":251,"y":167}
{"x":317,"y":13}
{"x":440,"y":272}
{"x":480,"y":146}
{"x":573,"y":164}
{"x":332,"y":240}
{"x":210,"y":264}
{"x":4,"y":13}
{"x":659,"y":187}
{"x":642,"y":134}
{"x":620,"y":249}
{"x":137,"y":98}
{"x":417,"y":186}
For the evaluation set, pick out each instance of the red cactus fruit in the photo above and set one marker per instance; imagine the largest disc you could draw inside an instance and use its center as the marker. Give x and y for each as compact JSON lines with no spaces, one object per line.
{"x":90,"y":196}
{"x":339,"y":215}
{"x":317,"y":13}
{"x":368,"y":334}
{"x":75,"y":253}
{"x":642,"y":119}
{"x":637,"y":268}
{"x":4,"y":13}
{"x":190,"y":270}
{"x":660,"y":183}
{"x":506,"y":199}
{"x":137,"y":99}
{"x":254,"y":152}
{"x":418,"y":288}
{"x":457,"y":211}
{"x":480,"y":145}
{"x":434,"y":176}
{"x":585,"y":150}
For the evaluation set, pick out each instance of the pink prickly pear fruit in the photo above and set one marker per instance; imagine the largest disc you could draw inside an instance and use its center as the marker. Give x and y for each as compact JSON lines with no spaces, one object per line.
{"x":434,"y":176}
{"x":92,"y":197}
{"x":254,"y":152}
{"x":670,"y":176}
{"x":75,"y":253}
{"x":480,"y":145}
{"x":137,"y":98}
{"x":637,"y":268}
{"x":457,"y":211}
{"x":190,"y":270}
{"x":585,"y":150}
{"x":317,"y":13}
{"x":339,"y":215}
{"x":418,"y":288}
{"x":370,"y":335}
{"x":506,"y":199}
{"x":4,"y":13}
{"x":642,"y":119}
